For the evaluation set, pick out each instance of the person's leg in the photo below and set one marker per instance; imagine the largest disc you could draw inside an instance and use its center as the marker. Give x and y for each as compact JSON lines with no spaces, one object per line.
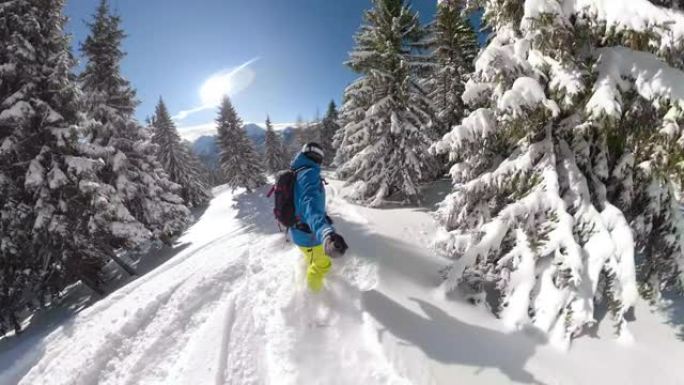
{"x":318,"y":265}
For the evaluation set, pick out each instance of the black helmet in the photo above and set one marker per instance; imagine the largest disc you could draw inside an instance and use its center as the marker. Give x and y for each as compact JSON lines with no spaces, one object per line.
{"x":314,"y":151}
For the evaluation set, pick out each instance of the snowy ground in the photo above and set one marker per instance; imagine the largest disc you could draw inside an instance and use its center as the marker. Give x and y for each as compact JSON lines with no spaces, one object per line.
{"x":230,"y":308}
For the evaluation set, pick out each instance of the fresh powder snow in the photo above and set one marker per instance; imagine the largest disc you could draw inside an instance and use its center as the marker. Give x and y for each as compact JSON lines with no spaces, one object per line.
{"x":231,"y":307}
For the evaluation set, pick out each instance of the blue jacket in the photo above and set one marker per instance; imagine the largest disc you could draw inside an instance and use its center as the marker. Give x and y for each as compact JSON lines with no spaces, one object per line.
{"x":309,"y":199}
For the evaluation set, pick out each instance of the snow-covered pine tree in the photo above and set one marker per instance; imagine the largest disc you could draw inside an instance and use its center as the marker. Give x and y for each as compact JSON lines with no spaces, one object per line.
{"x":239,"y":161}
{"x":565,"y":172}
{"x":452,"y":43}
{"x":274,"y":149}
{"x":676,"y":4}
{"x":383,"y":147}
{"x":130,"y":164}
{"x":328,"y":128}
{"x":180,"y":163}
{"x":51,"y":200}
{"x":352,"y":112}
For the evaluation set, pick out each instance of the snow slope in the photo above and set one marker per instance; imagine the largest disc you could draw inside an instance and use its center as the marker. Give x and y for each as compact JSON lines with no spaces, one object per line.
{"x":231,"y":308}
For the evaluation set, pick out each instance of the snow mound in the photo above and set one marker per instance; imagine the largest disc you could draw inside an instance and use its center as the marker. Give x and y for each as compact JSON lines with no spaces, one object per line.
{"x":653,"y":79}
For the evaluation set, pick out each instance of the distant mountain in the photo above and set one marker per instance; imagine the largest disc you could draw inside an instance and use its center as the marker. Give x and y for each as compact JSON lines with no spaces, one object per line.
{"x":256,"y":133}
{"x":206,"y":147}
{"x":253,"y":129}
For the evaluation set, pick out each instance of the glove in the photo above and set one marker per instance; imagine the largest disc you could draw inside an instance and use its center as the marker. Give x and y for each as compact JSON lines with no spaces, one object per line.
{"x":334,"y":245}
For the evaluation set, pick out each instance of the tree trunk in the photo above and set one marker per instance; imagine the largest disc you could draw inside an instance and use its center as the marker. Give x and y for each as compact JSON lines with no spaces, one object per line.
{"x":94,"y":287}
{"x":125,"y":266}
{"x":15,"y":323}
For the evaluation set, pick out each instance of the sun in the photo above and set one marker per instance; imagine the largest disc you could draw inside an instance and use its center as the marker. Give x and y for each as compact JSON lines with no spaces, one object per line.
{"x":226,"y":83}
{"x":215,"y":88}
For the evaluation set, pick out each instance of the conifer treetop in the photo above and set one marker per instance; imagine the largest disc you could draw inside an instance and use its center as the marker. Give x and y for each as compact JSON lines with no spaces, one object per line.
{"x":102,"y":74}
{"x":177,"y":159}
{"x":241,"y":165}
{"x":274,"y":149}
{"x":228,"y":116}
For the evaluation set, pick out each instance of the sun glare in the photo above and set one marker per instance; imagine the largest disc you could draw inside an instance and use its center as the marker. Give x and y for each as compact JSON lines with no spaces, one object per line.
{"x":226,"y":83}
{"x":215,"y":88}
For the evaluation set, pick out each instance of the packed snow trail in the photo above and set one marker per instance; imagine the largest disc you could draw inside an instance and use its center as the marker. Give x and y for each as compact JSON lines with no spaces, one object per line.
{"x":232,"y":308}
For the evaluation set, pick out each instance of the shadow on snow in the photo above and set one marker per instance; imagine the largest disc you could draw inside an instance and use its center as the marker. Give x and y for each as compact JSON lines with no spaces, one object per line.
{"x":440,"y":336}
{"x":674,"y":311}
{"x":255,"y":210}
{"x":448,"y":340}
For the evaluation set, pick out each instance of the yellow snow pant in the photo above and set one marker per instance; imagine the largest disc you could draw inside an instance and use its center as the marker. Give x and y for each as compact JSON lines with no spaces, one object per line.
{"x":318,"y":264}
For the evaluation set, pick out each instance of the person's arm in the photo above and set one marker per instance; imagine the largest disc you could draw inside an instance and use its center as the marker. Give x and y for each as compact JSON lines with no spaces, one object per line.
{"x":313,"y":204}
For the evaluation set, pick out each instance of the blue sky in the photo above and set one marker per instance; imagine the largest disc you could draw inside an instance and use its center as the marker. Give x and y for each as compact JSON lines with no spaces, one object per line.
{"x":292,"y":52}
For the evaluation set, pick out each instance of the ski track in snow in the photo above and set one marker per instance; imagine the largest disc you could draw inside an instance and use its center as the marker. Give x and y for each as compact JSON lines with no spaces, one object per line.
{"x":230,"y":309}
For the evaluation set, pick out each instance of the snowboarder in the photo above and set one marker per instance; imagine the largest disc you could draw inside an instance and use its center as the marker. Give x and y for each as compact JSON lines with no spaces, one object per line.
{"x":314,"y":233}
